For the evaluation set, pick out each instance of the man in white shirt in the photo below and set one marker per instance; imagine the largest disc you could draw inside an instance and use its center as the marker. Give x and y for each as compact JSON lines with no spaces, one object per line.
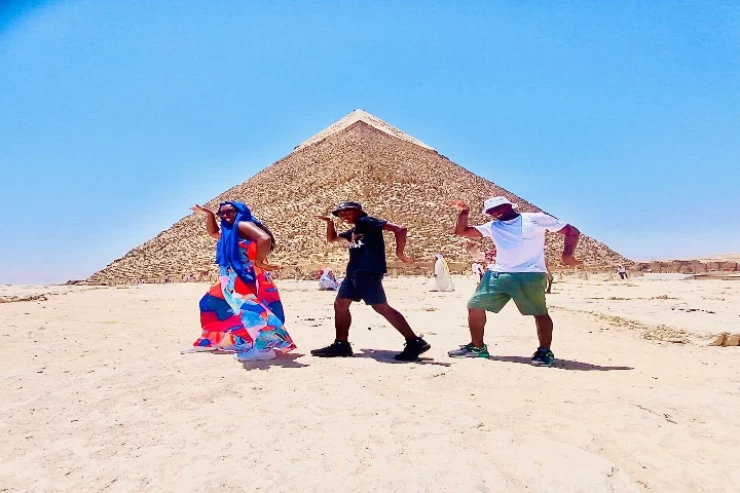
{"x":520,"y":271}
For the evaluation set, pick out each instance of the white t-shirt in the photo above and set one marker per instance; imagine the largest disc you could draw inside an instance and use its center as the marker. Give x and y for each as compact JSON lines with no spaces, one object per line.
{"x":478,"y":268}
{"x":520,"y":243}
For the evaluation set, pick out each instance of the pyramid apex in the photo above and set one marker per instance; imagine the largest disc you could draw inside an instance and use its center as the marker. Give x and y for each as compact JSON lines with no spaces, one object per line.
{"x":360,"y":115}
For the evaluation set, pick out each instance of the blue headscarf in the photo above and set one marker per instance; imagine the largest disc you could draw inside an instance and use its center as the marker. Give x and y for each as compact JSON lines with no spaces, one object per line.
{"x":228,"y":253}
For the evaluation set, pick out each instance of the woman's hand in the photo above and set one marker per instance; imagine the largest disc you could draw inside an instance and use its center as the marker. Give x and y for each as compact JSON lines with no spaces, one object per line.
{"x":210,"y":220}
{"x":200,"y":209}
{"x":268,"y":267}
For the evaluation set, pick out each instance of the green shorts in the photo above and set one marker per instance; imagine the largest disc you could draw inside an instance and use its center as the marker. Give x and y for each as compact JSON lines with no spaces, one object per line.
{"x":527,"y":289}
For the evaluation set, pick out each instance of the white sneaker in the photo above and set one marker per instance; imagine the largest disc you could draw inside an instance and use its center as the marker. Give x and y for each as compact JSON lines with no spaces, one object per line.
{"x":255,"y":355}
{"x":469,"y":351}
{"x":198,"y":349}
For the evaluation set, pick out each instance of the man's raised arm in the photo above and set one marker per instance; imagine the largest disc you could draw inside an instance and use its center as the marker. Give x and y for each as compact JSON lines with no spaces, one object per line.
{"x":462,"y":228}
{"x":331,"y":232}
{"x":400,"y":233}
{"x":572,"y":235}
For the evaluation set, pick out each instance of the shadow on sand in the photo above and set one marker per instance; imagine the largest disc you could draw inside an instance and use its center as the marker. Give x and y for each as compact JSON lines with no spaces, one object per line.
{"x":563,"y":364}
{"x":386,"y":356}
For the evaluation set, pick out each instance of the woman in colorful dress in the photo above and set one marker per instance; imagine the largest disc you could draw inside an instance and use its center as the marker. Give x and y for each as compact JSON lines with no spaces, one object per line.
{"x":242,"y":312}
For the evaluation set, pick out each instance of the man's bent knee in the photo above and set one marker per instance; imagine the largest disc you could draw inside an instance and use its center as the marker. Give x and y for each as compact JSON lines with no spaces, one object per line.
{"x":382,"y":308}
{"x":342,"y":304}
{"x":476,"y":315}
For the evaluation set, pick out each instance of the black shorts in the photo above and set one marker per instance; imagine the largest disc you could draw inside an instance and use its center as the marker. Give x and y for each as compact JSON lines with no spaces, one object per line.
{"x":363,"y":287}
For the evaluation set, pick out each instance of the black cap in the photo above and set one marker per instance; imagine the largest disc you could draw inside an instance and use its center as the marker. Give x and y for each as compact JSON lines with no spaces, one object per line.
{"x":349,"y":205}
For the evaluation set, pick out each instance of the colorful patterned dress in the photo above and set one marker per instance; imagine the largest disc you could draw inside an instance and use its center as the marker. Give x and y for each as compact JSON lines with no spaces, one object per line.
{"x":250,"y":313}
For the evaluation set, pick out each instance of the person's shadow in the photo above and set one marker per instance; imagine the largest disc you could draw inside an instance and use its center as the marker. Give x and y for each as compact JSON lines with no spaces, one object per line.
{"x":562,"y":364}
{"x":385,"y":356}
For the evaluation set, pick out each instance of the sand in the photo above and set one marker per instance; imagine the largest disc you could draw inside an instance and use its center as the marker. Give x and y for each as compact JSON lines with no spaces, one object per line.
{"x":97,"y":397}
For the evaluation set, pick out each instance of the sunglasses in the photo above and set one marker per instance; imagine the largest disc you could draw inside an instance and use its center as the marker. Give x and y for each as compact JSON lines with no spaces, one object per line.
{"x":227,"y":212}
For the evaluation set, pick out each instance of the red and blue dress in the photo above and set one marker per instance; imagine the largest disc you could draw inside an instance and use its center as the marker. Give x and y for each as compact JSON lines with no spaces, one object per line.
{"x":243,"y":312}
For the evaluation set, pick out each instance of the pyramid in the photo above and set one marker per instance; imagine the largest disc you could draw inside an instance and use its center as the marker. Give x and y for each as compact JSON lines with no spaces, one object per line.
{"x":360,"y":158}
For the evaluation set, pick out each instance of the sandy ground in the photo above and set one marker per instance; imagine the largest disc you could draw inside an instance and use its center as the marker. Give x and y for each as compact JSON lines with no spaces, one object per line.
{"x":97,"y":397}
{"x":661,"y":303}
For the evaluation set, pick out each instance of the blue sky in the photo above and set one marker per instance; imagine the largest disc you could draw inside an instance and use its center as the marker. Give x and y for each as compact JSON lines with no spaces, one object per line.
{"x":115,"y":117}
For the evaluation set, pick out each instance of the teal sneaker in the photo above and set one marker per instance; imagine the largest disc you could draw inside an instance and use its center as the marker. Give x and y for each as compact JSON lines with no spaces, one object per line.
{"x":543,"y":358}
{"x":469,"y":351}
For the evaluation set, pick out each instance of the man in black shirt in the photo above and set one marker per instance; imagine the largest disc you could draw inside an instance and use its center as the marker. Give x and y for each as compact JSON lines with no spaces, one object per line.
{"x":364,"y":279}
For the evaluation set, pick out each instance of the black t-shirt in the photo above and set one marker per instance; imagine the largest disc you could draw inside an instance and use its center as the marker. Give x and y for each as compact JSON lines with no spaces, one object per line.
{"x":366,"y":247}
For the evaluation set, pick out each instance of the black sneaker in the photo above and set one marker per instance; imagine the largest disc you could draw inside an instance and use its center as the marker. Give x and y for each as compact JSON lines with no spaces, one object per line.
{"x":338,"y":349}
{"x":543,"y":357}
{"x":413,"y":349}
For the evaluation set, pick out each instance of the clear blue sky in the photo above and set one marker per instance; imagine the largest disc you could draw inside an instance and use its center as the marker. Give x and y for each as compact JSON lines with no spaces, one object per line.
{"x":115,"y":117}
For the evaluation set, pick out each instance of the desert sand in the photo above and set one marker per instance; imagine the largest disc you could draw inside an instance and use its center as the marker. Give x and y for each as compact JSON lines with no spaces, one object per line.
{"x":97,"y":397}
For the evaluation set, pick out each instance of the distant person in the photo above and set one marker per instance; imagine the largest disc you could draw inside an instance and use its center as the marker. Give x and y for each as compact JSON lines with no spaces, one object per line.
{"x":478,"y":270}
{"x":244,"y":305}
{"x":328,"y":281}
{"x":550,"y":278}
{"x":364,"y":279}
{"x":622,"y":271}
{"x":442,"y":277}
{"x":519,"y":273}
{"x":491,"y":256}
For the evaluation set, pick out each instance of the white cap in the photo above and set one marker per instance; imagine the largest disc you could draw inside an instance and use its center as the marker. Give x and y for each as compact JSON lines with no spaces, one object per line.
{"x":495,"y":202}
